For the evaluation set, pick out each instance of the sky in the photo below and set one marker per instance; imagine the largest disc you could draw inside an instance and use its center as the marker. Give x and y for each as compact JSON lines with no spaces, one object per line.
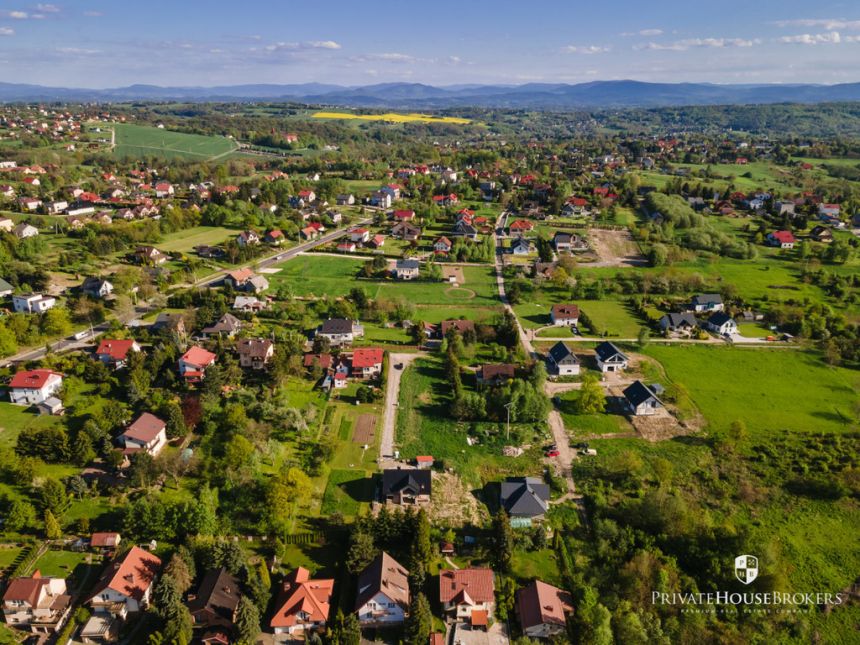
{"x":112,"y":43}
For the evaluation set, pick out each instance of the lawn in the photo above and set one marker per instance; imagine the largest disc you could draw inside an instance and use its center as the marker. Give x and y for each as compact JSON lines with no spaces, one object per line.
{"x":582,"y":425}
{"x":147,"y":141}
{"x":185,"y":241}
{"x":771,"y":390}
{"x":348,"y":492}
{"x":392,"y":117}
{"x":608,"y":317}
{"x":535,"y":565}
{"x":59,"y":564}
{"x":15,"y":418}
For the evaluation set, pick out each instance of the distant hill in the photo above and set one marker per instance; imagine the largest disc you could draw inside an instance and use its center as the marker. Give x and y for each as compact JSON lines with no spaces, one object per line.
{"x":596,"y":94}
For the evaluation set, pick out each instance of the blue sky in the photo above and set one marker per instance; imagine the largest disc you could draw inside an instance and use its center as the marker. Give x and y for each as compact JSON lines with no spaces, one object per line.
{"x":108,"y":43}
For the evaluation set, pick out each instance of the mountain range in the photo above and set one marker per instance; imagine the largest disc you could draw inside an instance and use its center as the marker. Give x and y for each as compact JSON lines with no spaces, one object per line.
{"x":597,"y":94}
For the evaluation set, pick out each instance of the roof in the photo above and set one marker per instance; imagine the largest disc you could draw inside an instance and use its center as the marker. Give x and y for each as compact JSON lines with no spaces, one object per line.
{"x":540,"y":603}
{"x":783,"y":236}
{"x":300,"y":593}
{"x":115,"y":349}
{"x":524,"y":496}
{"x":407,"y":264}
{"x":560,"y":351}
{"x":384,"y":575}
{"x":395,"y":480}
{"x":105,"y":539}
{"x":218,"y":592}
{"x":504,"y":370}
{"x":336,"y":326}
{"x":323,"y":359}
{"x":228,"y":322}
{"x":466,"y":585}
{"x":565,"y":311}
{"x":607,"y":350}
{"x":254,"y":347}
{"x":130,"y":574}
{"x":198,"y":356}
{"x":678,"y":320}
{"x":367,"y":357}
{"x":707,"y":298}
{"x":145,"y":428}
{"x":637,"y":393}
{"x":460,"y":325}
{"x":32,"y":379}
{"x":240,"y":275}
{"x":25,"y":589}
{"x":719,"y":318}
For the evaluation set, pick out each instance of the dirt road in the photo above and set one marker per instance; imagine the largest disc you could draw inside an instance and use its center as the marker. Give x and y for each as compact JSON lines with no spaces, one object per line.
{"x":392,"y":394}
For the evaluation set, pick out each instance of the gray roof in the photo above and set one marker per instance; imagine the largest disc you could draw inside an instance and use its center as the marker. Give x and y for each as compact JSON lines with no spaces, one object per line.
{"x":407,"y":264}
{"x":719,"y":318}
{"x":226,"y":323}
{"x":5,"y":286}
{"x":395,"y":480}
{"x":607,"y":350}
{"x":524,"y":496}
{"x":707,"y":298}
{"x":678,"y":320}
{"x":560,"y":351}
{"x":638,"y":393}
{"x":336,"y":326}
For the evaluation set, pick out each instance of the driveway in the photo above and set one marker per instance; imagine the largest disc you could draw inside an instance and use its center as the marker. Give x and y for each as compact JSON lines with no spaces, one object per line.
{"x":392,"y":394}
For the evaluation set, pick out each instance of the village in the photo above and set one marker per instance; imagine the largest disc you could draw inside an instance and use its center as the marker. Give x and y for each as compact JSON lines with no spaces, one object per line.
{"x":257,"y":398}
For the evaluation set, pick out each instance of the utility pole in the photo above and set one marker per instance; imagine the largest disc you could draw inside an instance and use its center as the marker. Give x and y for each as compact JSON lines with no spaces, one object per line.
{"x":508,"y":407}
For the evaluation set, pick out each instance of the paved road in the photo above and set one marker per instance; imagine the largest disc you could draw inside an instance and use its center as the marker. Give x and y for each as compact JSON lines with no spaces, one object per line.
{"x":500,"y":282}
{"x":392,"y":394}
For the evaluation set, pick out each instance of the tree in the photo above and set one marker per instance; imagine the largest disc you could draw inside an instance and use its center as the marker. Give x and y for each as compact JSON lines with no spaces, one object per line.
{"x":52,"y":526}
{"x":419,"y":623}
{"x":177,"y":569}
{"x":643,"y":337}
{"x":20,"y":516}
{"x":591,"y":399}
{"x":53,"y":497}
{"x":503,"y":541}
{"x":346,"y":630}
{"x":421,"y":553}
{"x":361,"y":552}
{"x":247,"y":621}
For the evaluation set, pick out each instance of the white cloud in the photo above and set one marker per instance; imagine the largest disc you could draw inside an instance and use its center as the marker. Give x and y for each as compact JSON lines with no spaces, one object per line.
{"x":825,"y":23}
{"x":18,"y":15}
{"x":313,"y":44}
{"x":322,"y":44}
{"x":93,"y":14}
{"x":78,"y":51}
{"x":826,"y":38}
{"x":690,"y":43}
{"x":7,"y":31}
{"x":48,"y":8}
{"x":650,"y":32}
{"x":585,"y":49}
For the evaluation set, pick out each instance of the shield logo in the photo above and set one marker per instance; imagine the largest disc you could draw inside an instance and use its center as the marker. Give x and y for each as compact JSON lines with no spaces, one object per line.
{"x":746,"y":568}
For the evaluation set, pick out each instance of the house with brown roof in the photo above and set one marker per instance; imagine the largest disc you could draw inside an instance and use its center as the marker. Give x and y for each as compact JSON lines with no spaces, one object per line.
{"x":468,"y":594}
{"x":39,"y":605}
{"x":105,"y":540}
{"x":148,"y":433}
{"x":459,"y":326}
{"x":227,"y":325}
{"x":383,"y":593}
{"x":213,"y":605}
{"x":255,"y":352}
{"x":302,"y":607}
{"x":405,"y":230}
{"x":564,"y":315}
{"x":543,"y":609}
{"x":126,"y":584}
{"x":495,"y":374}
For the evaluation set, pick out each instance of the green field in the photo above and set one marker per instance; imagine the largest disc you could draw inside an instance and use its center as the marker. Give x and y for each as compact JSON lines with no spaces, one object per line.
{"x":185,"y":241}
{"x":147,"y":141}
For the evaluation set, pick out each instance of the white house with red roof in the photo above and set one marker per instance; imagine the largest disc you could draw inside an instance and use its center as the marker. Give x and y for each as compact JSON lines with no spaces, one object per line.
{"x":34,"y":386}
{"x":442,"y":245}
{"x":781,"y":239}
{"x":829,"y":209}
{"x":404,"y":215}
{"x":303,"y":606}
{"x":164,"y":189}
{"x":307,"y":196}
{"x":40,"y":605}
{"x":193,"y":363}
{"x":367,"y":362}
{"x":468,"y":594}
{"x":359,"y":235}
{"x":147,"y":433}
{"x":126,"y":585}
{"x":391,"y":189}
{"x":114,"y":353}
{"x":543,"y":609}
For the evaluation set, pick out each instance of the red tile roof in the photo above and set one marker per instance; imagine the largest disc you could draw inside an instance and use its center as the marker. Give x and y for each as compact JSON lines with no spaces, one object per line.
{"x":540,"y":603}
{"x":25,"y":589}
{"x":145,"y":428}
{"x":367,"y":357}
{"x":198,"y":356}
{"x":324,"y":360}
{"x":565,"y":311}
{"x":105,"y":538}
{"x":130,"y":574}
{"x":116,"y":349}
{"x":477,"y":583}
{"x":783,"y":237}
{"x":300,"y":593}
{"x":32,"y":379}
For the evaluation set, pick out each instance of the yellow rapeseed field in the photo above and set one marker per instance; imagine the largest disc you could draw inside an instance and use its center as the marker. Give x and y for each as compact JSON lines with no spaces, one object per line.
{"x":392,"y":117}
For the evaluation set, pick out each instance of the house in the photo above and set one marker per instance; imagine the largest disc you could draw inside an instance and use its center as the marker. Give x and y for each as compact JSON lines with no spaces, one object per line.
{"x":164,"y":189}
{"x":147,"y":433}
{"x":169,"y":322}
{"x":781,"y":239}
{"x":562,"y":361}
{"x":706,"y":302}
{"x":213,"y":605}
{"x":521,"y":227}
{"x":345,"y":199}
{"x":381,"y":199}
{"x":227,"y":325}
{"x":23,"y":231}
{"x":193,"y":363}
{"x":406,"y":269}
{"x":568,"y":242}
{"x":721,"y":323}
{"x":303,"y":606}
{"x":495,"y":374}
{"x":610,"y":358}
{"x":641,"y":400}
{"x":405,"y":231}
{"x":307,"y":196}
{"x":29,"y":203}
{"x":6,"y":224}
{"x":524,"y":497}
{"x":32,"y":387}
{"x":829,"y":209}
{"x":52,"y":406}
{"x":248,"y":304}
{"x":309,"y":233}
{"x":383,"y":593}
{"x":32,"y":303}
{"x":359,"y":235}
{"x":521,"y":246}
{"x":95,"y":287}
{"x":54,"y":208}
{"x":7,"y":191}
{"x":39,"y":605}
{"x":377,"y":241}
{"x":367,"y":362}
{"x":255,"y":352}
{"x":246,"y":280}
{"x":275,"y":237}
{"x":323,"y":360}
{"x":784,"y":208}
{"x":678,"y":322}
{"x":821,"y":234}
{"x":464,"y":228}
{"x":424,"y":461}
{"x":403,"y":215}
{"x":459,"y":326}
{"x":248,"y":238}
{"x":346,"y":247}
{"x":468,"y":594}
{"x":114,"y":353}
{"x":149,"y":255}
{"x":340,"y":331}
{"x":404,"y":487}
{"x":392,"y":189}
{"x":564,"y":315}
{"x":6,"y":289}
{"x":543,"y":610}
{"x":126,"y":584}
{"x":105,"y":540}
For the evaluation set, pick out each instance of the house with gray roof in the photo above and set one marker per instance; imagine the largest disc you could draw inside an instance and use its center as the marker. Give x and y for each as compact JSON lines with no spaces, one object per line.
{"x":524,"y":497}
{"x":562,"y":361}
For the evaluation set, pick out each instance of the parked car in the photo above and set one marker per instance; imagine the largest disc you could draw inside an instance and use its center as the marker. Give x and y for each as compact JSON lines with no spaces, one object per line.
{"x":552,"y":453}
